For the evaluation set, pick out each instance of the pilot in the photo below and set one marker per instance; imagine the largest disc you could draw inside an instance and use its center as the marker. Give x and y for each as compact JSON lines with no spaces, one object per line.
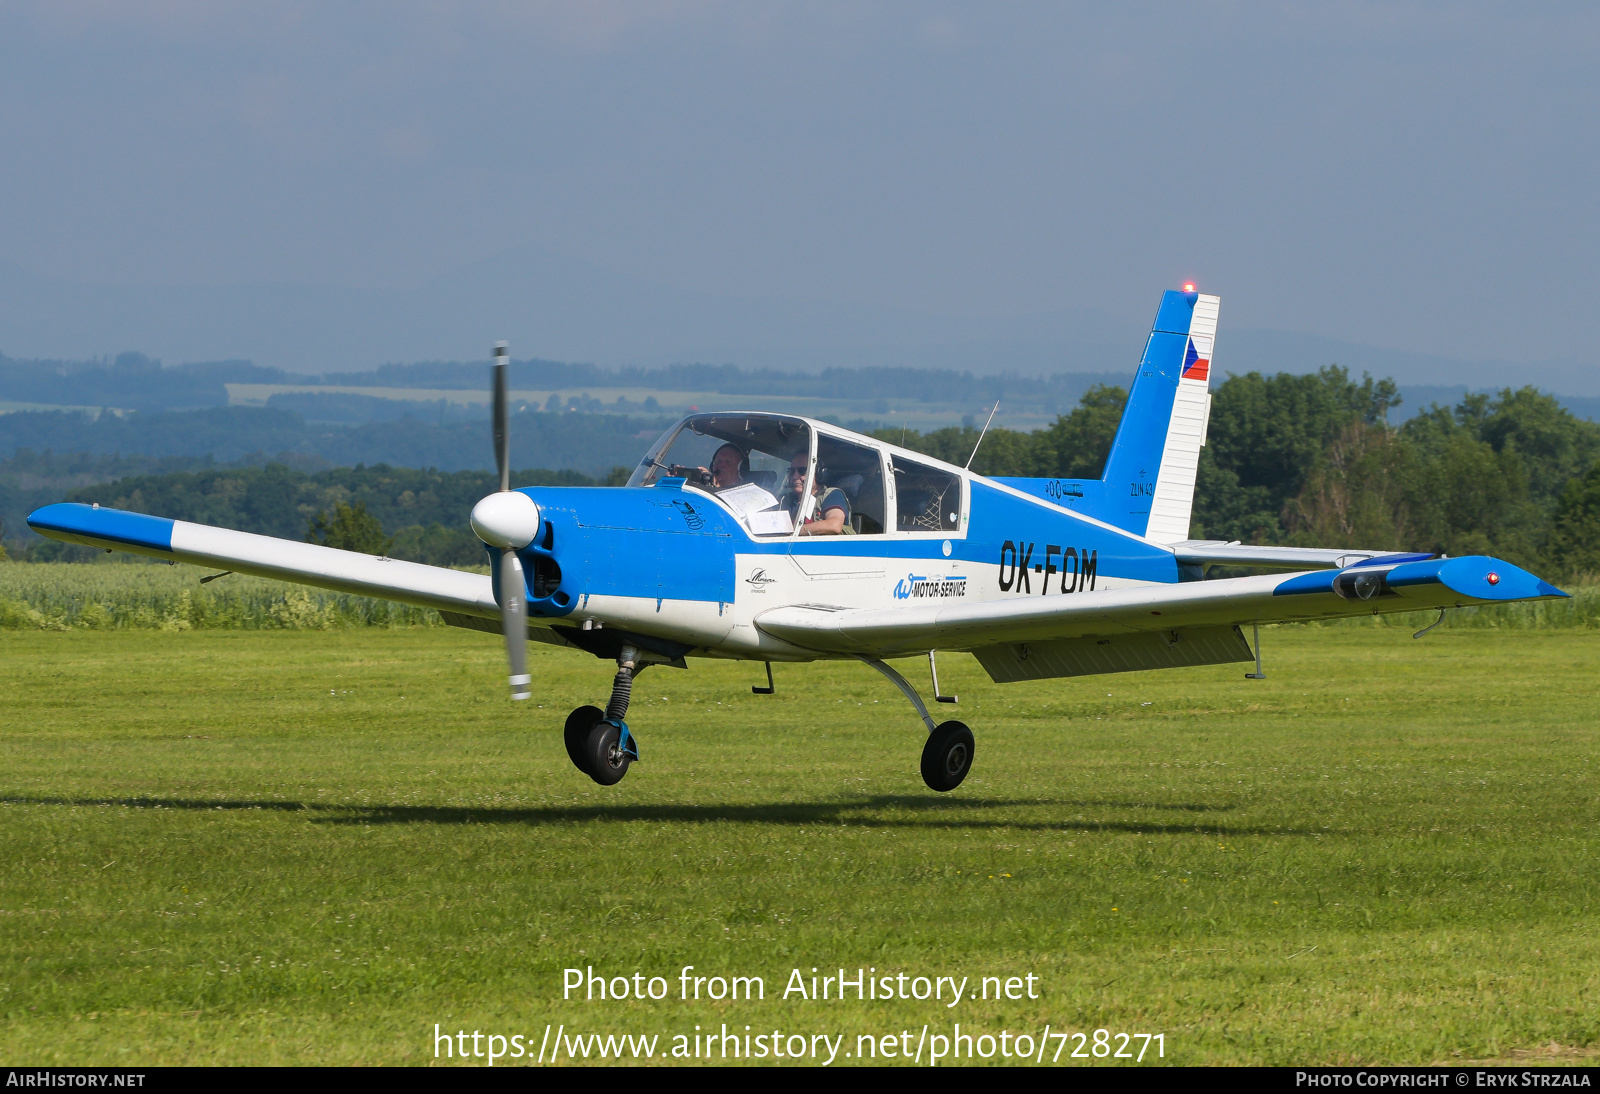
{"x":832,"y":513}
{"x":729,"y":465}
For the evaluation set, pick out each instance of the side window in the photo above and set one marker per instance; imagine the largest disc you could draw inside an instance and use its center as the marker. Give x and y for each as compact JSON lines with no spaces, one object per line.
{"x":856,"y":471}
{"x":926,"y":498}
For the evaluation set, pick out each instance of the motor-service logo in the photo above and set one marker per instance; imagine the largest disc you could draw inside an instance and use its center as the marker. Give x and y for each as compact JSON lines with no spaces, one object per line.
{"x":921,"y":586}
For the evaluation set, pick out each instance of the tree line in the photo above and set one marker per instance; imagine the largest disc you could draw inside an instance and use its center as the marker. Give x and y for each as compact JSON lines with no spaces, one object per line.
{"x":1311,"y":460}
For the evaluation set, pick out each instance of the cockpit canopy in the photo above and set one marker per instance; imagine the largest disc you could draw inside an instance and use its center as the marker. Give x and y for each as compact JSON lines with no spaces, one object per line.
{"x":754,"y":479}
{"x":768,"y":442}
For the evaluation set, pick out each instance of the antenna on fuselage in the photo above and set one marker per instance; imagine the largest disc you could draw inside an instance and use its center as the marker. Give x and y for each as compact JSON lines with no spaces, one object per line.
{"x":983,"y":434}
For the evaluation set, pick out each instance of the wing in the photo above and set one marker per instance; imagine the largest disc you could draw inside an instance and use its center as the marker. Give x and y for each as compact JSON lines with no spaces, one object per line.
{"x":266,"y":556}
{"x":1152,"y":626}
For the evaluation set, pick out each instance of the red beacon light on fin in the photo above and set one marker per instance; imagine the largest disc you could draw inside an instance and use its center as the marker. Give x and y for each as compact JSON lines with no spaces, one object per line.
{"x":1188,"y":286}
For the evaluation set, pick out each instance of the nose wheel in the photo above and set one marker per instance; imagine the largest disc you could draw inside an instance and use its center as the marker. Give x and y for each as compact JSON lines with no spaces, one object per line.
{"x":599,"y":747}
{"x":607,"y":752}
{"x":598,"y":742}
{"x":576,"y":734}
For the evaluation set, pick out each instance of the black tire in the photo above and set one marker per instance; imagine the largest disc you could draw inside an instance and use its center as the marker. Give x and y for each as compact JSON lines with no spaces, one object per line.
{"x":607,"y":763}
{"x":947,"y":757}
{"x":576,"y":735}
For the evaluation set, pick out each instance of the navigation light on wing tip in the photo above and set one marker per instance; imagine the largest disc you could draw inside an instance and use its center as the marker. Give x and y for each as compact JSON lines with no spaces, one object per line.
{"x":1494,"y":578}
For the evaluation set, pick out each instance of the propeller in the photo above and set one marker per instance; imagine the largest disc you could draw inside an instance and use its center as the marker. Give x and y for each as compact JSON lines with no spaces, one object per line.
{"x":508,"y":520}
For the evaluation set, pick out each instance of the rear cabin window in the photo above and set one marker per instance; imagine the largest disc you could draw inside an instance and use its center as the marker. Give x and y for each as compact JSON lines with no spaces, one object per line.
{"x":857,"y":471}
{"x":926,"y":498}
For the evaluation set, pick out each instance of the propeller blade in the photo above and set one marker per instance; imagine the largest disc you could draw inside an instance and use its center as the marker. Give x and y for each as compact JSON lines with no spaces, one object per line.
{"x":513,"y":585}
{"x":502,"y":432}
{"x":514,"y":621}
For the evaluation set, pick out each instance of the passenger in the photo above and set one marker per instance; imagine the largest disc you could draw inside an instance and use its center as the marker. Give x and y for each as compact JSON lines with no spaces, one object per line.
{"x":832,"y":513}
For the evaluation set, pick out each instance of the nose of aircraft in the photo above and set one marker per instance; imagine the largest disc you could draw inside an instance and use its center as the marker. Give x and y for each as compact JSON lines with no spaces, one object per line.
{"x":507,"y":518}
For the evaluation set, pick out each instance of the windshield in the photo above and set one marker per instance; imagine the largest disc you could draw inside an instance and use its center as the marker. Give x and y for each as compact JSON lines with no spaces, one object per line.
{"x":742,"y":458}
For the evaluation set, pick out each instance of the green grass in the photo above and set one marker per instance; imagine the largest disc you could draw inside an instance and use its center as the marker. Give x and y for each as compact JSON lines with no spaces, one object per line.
{"x":58,"y":596}
{"x":302,"y":846}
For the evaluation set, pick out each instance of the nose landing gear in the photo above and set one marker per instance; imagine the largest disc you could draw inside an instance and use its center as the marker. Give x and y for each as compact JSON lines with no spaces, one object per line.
{"x":598,"y":742}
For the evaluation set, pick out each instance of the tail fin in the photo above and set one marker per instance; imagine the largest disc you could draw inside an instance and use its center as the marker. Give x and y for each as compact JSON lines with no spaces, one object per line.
{"x":1149,"y":476}
{"x":1148,"y":484}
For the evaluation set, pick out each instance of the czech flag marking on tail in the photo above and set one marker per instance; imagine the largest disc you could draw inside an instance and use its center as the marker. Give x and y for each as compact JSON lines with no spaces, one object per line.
{"x":1196,"y":367}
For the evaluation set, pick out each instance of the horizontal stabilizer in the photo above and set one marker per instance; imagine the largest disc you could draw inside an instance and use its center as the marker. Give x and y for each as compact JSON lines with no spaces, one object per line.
{"x":1216,"y":552}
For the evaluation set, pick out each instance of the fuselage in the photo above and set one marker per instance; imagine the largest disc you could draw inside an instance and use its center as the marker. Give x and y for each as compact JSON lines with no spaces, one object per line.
{"x":673,"y":561}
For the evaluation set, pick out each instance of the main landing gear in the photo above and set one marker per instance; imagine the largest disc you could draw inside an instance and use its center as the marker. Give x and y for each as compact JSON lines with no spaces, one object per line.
{"x":598,"y":741}
{"x":947,"y":757}
{"x":600,"y":745}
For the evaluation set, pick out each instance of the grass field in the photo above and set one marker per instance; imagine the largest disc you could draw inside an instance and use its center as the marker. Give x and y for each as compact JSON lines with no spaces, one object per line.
{"x":310,"y":846}
{"x":59,"y":596}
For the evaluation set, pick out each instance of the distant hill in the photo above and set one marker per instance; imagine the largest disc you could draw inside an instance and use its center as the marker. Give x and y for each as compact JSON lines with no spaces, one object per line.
{"x":129,"y":381}
{"x":590,"y":443}
{"x":44,"y":456}
{"x":134,"y":381}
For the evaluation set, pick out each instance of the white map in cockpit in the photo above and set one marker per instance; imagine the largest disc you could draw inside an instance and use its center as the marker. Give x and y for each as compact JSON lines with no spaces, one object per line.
{"x":747,"y":498}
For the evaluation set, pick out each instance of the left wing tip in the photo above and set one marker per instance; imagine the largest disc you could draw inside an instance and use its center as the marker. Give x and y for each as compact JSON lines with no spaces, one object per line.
{"x":99,"y":526}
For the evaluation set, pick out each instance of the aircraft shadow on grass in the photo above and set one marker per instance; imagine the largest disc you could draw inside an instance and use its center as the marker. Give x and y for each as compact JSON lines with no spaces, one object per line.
{"x":861,"y":812}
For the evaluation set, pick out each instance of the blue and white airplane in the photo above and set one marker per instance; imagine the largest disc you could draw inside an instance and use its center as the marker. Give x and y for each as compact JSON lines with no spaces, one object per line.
{"x":777,"y":538}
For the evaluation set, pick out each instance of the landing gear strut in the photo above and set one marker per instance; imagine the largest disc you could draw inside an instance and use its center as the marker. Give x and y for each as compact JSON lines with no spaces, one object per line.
{"x":947,"y":757}
{"x":598,"y":742}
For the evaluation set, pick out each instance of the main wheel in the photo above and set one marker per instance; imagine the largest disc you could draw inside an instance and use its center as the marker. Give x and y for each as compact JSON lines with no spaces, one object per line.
{"x":576,"y":735}
{"x":605,"y":761}
{"x":947,"y":757}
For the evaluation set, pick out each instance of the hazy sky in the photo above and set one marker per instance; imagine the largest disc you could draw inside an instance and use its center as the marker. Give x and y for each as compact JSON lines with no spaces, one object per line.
{"x":1416,"y":176}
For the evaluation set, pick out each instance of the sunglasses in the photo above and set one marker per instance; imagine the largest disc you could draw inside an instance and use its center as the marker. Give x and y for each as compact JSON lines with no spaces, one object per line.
{"x":797,"y":471}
